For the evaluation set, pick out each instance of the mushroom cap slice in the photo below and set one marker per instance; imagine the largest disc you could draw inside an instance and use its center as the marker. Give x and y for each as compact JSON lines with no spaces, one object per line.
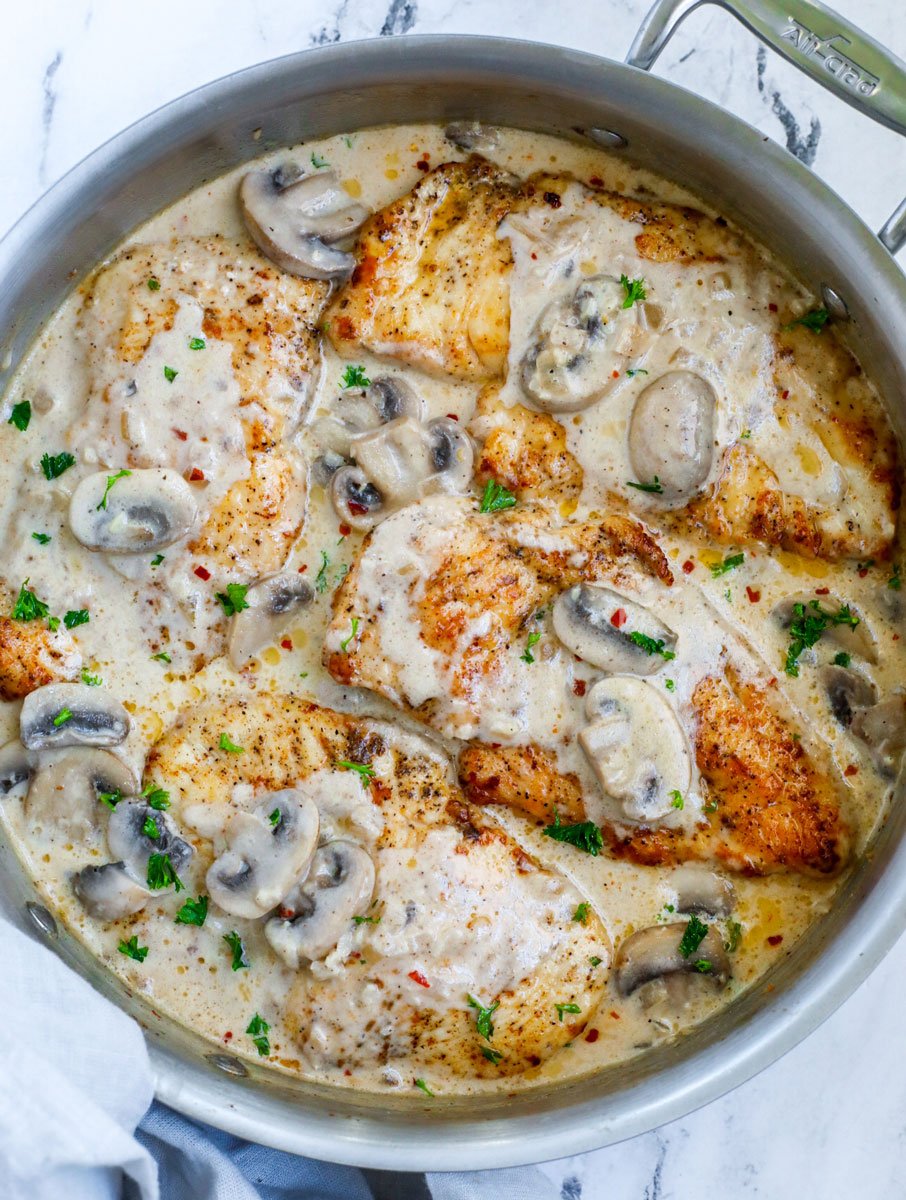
{"x":472,"y":135}
{"x":71,"y":714}
{"x":452,"y":456}
{"x":293,"y":218}
{"x":397,"y":459}
{"x":847,"y":691}
{"x":883,"y":729}
{"x":636,"y":747}
{"x":671,"y":434}
{"x":701,"y":890}
{"x":655,"y":952}
{"x":146,"y":510}
{"x":133,"y":847}
{"x":272,"y":604}
{"x":577,"y":344}
{"x":15,"y":767}
{"x":63,"y":794}
{"x":109,"y":893}
{"x":597,"y":624}
{"x":858,"y":639}
{"x":386,"y":399}
{"x":355,"y":498}
{"x":267,"y":851}
{"x":338,"y":887}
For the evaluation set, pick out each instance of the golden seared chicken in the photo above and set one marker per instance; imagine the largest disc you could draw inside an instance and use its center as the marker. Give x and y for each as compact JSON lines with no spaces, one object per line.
{"x":443,"y":603}
{"x":452,"y":916}
{"x":201,"y":357}
{"x":31,"y":654}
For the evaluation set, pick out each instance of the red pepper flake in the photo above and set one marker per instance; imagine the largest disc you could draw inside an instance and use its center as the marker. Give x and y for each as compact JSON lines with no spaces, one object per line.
{"x":822,"y":591}
{"x":202,"y":573}
{"x":287,"y":914}
{"x":753,"y":593}
{"x":181,"y":434}
{"x":852,"y":769}
{"x":772,"y":307}
{"x":615,"y":1014}
{"x":345,"y":530}
{"x":196,"y":475}
{"x":287,"y":644}
{"x":615,"y":374}
{"x":303,"y":568}
{"x":688,"y":566}
{"x":228,"y":1035}
{"x":419,"y":978}
{"x":453,"y":416}
{"x":785,"y":395}
{"x":618,"y":619}
{"x":422,"y":165}
{"x":592,"y":1035}
{"x":534,"y":255}
{"x":775,"y":939}
{"x":357,"y":509}
{"x":896,"y":637}
{"x":596,"y":181}
{"x":579,"y":686}
{"x":863,"y":571}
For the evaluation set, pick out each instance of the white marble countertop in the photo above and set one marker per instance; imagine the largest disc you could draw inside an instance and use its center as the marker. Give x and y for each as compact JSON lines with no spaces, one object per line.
{"x":827,"y":1120}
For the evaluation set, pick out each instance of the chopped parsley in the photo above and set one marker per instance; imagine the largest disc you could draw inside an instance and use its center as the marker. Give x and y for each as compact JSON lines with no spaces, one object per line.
{"x":344,"y":645}
{"x":595,"y":960}
{"x":807,"y":627}
{"x":566,"y":1008}
{"x":633,"y":371}
{"x":635,"y":291}
{"x":153,"y":284}
{"x":669,"y":685}
{"x":746,"y":433}
{"x":354,"y":377}
{"x":422,"y":1086}
{"x":496,"y":498}
{"x":321,"y":581}
{"x":814,"y":320}
{"x":150,"y":828}
{"x":585,"y":835}
{"x":654,"y":486}
{"x":162,"y":656}
{"x":133,"y":950}
{"x":704,"y":966}
{"x":729,"y":564}
{"x":111,"y":480}
{"x":64,"y":715}
{"x":234,"y":941}
{"x":193,"y":912}
{"x":233,"y":600}
{"x":693,"y":935}
{"x":53,"y":624}
{"x":230,"y":746}
{"x":317,"y":161}
{"x":258,"y":1030}
{"x":20,"y":415}
{"x":90,"y":680}
{"x":111,"y":799}
{"x":196,"y":343}
{"x":367,"y":920}
{"x":711,"y":806}
{"x":275,"y":818}
{"x":483,"y":1022}
{"x":157,"y":560}
{"x":734,"y":936}
{"x":533,"y":639}
{"x":492,"y":1055}
{"x":28,"y":607}
{"x":676,"y":799}
{"x":161,"y":873}
{"x":651,"y":645}
{"x":41,"y":538}
{"x":581,"y":913}
{"x":53,"y":465}
{"x":156,"y":797}
{"x":365,"y":770}
{"x":170,"y":374}
{"x":842,"y":659}
{"x":76,"y":616}
{"x":894,"y":581}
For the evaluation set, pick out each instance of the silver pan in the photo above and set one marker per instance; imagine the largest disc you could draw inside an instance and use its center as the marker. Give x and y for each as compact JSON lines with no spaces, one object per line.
{"x":342,"y":88}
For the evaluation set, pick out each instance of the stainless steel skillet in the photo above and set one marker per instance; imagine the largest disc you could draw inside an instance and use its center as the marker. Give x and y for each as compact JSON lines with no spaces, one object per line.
{"x":763,"y":188}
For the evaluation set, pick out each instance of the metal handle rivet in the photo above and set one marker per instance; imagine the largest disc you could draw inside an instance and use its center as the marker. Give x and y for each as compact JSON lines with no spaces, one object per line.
{"x":226,"y":1062}
{"x":41,"y":919}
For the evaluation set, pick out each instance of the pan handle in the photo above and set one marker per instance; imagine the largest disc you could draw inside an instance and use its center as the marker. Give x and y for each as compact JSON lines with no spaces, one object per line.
{"x":816,"y":40}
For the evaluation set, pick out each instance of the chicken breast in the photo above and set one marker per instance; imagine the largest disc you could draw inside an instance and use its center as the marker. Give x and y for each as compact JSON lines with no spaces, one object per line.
{"x":446,"y":600}
{"x":460,"y":911}
{"x":31,"y":654}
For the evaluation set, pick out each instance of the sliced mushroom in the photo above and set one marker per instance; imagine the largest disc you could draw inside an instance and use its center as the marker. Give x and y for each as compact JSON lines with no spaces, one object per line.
{"x":671,"y":434}
{"x":130,"y":843}
{"x":847,"y":691}
{"x":578,"y":343}
{"x":15,"y":767}
{"x":355,"y":499}
{"x":636,"y":747}
{"x":63,"y":794}
{"x":655,"y":952}
{"x":295,"y":218}
{"x":71,"y":714}
{"x":857,"y":639}
{"x":273,"y":603}
{"x":700,"y":890}
{"x":452,"y":456}
{"x":147,"y":510}
{"x":883,"y":729}
{"x":338,"y":887}
{"x":357,"y":412}
{"x":267,"y":851}
{"x":472,"y":135}
{"x":109,"y":893}
{"x":598,"y":625}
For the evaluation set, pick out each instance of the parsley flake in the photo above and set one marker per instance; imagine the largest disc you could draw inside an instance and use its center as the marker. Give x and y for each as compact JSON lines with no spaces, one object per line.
{"x":633,"y":371}
{"x":157,"y":560}
{"x":595,"y":960}
{"x":365,"y":770}
{"x":676,"y":799}
{"x":354,"y":377}
{"x":581,"y":913}
{"x":258,"y":1029}
{"x":704,"y":966}
{"x":230,"y":746}
{"x":156,"y":797}
{"x":344,"y":645}
{"x":317,"y":161}
{"x":493,"y":1056}
{"x":806,"y":628}
{"x":734,"y":936}
{"x":814,"y":320}
{"x":153,"y":284}
{"x":41,"y":538}
{"x":693,"y":935}
{"x":585,"y":835}
{"x":111,"y":480}
{"x":533,"y":639}
{"x":133,"y":950}
{"x":422,"y":1086}
{"x":170,"y":374}
{"x":275,"y":818}
{"x":635,"y":291}
{"x":111,"y":799}
{"x":669,"y":685}
{"x":64,"y":715}
{"x":894,"y":581}
{"x":729,"y":564}
{"x":367,"y":920}
{"x":566,"y":1008}
{"x":321,"y":581}
{"x":196,"y":343}
{"x":842,"y":659}
{"x":651,"y":645}
{"x":161,"y":656}
{"x":150,"y":829}
{"x":193,"y":912}
{"x":483,"y":1023}
{"x":161,"y":873}
{"x":90,"y":680}
{"x":53,"y":465}
{"x":233,"y":600}
{"x":496,"y":498}
{"x":20,"y":415}
{"x":28,"y":607}
{"x":76,"y":616}
{"x":654,"y":486}
{"x":234,"y":941}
